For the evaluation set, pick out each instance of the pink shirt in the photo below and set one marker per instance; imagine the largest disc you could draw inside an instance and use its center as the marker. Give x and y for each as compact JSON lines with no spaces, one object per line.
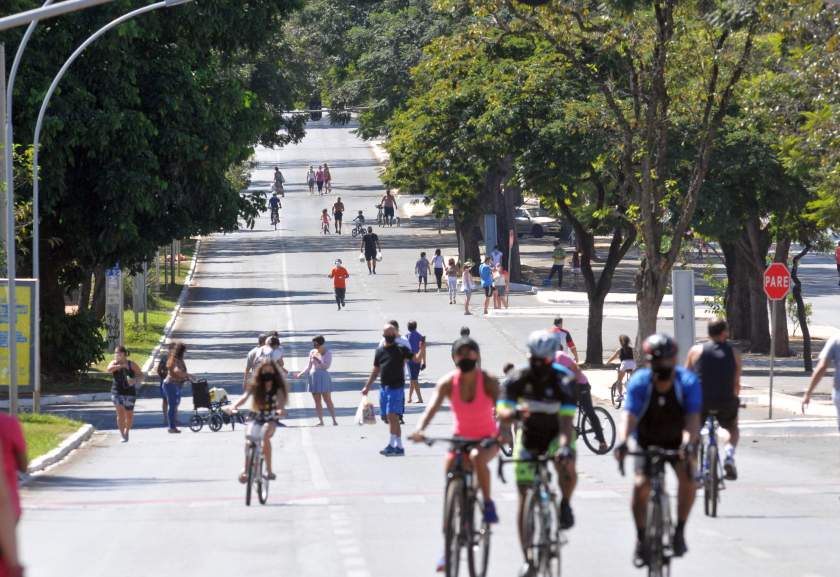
{"x":565,"y":359}
{"x":476,"y":419}
{"x":11,"y":435}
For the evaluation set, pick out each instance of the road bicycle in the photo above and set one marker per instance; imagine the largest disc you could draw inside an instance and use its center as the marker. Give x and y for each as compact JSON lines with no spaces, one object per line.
{"x":659,"y":538}
{"x":541,"y":534}
{"x":585,"y":429}
{"x":275,"y":217}
{"x":255,"y":467}
{"x":711,"y":473}
{"x":463,"y":511}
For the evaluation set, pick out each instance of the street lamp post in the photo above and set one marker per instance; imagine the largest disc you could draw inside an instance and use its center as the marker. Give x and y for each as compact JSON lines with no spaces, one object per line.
{"x":36,"y":144}
{"x":47,"y":11}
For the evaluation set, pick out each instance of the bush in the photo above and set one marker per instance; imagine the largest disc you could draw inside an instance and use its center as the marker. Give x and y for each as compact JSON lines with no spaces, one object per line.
{"x":71,"y":344}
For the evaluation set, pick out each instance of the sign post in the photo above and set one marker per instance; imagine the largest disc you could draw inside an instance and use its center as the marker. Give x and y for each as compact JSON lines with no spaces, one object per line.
{"x":114,"y":307}
{"x":682,"y":288}
{"x":24,"y":332}
{"x":776,"y":287}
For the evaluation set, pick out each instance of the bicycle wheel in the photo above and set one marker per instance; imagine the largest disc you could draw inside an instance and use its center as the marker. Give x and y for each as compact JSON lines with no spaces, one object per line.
{"x":196,"y":422}
{"x":531,"y":533}
{"x":588,"y":431}
{"x":453,"y":511}
{"x":216,"y":422}
{"x":355,"y":232}
{"x":478,"y":547}
{"x":711,"y":481}
{"x":250,"y":471}
{"x":654,"y":538}
{"x":262,"y":481}
{"x":552,"y":540}
{"x":614,"y":396}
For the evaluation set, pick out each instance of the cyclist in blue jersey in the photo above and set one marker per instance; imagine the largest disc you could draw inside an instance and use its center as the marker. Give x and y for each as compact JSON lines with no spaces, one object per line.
{"x":662,"y":409}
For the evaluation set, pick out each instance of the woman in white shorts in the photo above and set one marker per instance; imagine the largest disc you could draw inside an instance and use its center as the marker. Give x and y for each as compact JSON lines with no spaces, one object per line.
{"x":624,"y":353}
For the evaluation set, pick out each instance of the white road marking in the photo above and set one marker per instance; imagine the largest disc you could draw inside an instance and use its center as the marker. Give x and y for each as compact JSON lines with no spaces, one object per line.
{"x":508,"y":496}
{"x":711,"y":533}
{"x":756,"y":552}
{"x":310,"y":501}
{"x":592,"y":494}
{"x":354,"y":562}
{"x":398,"y":499}
{"x":340,"y":522}
{"x":346,"y":542}
{"x":793,"y":490}
{"x":350,"y":550}
{"x":342,"y":532}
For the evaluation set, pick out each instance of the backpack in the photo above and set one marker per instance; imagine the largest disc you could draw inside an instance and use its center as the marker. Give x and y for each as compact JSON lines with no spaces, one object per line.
{"x":162,"y":371}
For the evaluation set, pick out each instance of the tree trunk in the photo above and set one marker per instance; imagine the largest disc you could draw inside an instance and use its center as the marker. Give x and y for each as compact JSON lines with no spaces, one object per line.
{"x":737,"y":299}
{"x":650,"y":289}
{"x":467,"y":242}
{"x":595,"y":330}
{"x":99,"y":292}
{"x":512,"y":197}
{"x":754,"y":243}
{"x":800,"y":309}
{"x":84,"y":292}
{"x":781,"y":338}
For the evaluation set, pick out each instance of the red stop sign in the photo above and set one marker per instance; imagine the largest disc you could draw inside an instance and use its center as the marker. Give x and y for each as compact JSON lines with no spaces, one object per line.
{"x":776,"y":281}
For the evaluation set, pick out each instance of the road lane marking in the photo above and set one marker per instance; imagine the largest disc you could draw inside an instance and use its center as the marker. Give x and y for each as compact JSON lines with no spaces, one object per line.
{"x":404,"y":499}
{"x":310,"y":501}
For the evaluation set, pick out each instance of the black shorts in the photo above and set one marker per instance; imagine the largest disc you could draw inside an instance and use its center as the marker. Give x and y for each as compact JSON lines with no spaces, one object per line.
{"x":726,"y":413}
{"x":642,"y":465}
{"x":388,"y":210}
{"x":538,"y":432}
{"x":488,"y":291}
{"x":337,"y":216}
{"x":370,"y":255}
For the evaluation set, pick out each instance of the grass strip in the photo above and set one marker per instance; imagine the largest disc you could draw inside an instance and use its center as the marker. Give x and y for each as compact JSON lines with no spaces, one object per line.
{"x":43,"y":433}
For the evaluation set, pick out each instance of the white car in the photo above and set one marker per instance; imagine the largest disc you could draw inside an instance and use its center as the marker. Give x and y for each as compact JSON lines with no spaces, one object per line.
{"x":536,"y":222}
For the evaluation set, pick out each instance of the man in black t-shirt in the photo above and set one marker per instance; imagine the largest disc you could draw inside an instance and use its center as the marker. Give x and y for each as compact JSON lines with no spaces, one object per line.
{"x":389,"y":365}
{"x":370,"y":244}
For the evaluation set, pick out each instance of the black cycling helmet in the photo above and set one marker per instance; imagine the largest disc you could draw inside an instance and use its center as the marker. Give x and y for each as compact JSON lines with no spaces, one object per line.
{"x":659,"y":346}
{"x":465,"y":342}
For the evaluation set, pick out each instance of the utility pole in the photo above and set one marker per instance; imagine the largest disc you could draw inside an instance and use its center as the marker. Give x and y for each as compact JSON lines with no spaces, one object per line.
{"x":10,"y":245}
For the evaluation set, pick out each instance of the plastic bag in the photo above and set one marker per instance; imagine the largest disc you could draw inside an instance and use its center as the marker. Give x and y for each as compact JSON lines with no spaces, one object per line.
{"x":379,"y":256}
{"x":362,"y":257}
{"x":365,"y":413}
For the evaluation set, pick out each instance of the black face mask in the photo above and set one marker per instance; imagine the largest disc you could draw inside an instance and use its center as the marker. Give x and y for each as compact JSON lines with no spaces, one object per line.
{"x":467,"y":365}
{"x":266,"y":377}
{"x":663,"y":373}
{"x":390,"y":339}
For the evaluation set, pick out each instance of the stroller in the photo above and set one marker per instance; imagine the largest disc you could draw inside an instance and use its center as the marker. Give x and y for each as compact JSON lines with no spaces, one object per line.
{"x":207,"y":408}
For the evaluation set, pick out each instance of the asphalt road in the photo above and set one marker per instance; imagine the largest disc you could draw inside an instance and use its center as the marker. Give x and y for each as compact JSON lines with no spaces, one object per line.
{"x":170,"y":505}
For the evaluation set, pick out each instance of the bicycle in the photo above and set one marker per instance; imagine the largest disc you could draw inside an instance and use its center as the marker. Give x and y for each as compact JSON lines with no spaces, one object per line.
{"x":463,"y":512}
{"x":380,"y":215}
{"x":659,"y":537}
{"x":255,"y":461}
{"x":584,"y":429}
{"x":358,"y":229}
{"x":541,"y":533}
{"x":275,"y":217}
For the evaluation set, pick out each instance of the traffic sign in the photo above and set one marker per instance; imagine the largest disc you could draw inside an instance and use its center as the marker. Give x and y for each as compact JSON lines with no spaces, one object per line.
{"x":776,"y":281}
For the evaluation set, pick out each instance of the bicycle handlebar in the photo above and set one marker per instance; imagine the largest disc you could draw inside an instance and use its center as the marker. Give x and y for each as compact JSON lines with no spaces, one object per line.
{"x":463,"y":443}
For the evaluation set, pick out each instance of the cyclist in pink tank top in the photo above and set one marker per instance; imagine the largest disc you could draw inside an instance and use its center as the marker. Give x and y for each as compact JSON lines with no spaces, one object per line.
{"x":472,"y":394}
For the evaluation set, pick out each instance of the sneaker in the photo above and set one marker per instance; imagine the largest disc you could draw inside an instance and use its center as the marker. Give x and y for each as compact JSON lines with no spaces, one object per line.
{"x":679,"y":546}
{"x":567,"y":518}
{"x":730,"y":472}
{"x":640,"y":554}
{"x":440,"y":566}
{"x":388,"y":451}
{"x":398,"y":452}
{"x":490,"y":515}
{"x":527,"y":570}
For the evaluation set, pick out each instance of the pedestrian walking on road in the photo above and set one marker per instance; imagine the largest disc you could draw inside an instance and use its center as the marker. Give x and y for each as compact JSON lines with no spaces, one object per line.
{"x":500,"y":281}
{"x":125,"y":374}
{"x":339,"y":275}
{"x":162,"y":371}
{"x":325,"y":222}
{"x":15,"y":460}
{"x":279,"y":180}
{"x":389,"y":207}
{"x":175,"y":379}
{"x":467,"y":285}
{"x":389,"y":366}
{"x":421,"y":269}
{"x":338,"y":214}
{"x":9,"y":516}
{"x":327,"y":179}
{"x":251,"y":360}
{"x":370,"y":248}
{"x":497,"y":256}
{"x":559,"y":261}
{"x":437,"y":266}
{"x":718,"y":365}
{"x":310,"y":179}
{"x":564,"y":337}
{"x":319,"y":380}
{"x":829,"y":357}
{"x":415,"y":340}
{"x":319,"y":180}
{"x":485,"y":272}
{"x":452,"y":280}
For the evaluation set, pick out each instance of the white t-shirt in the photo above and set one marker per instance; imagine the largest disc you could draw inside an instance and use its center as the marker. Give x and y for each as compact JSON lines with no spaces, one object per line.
{"x":266,"y":352}
{"x":496,"y":255}
{"x":252,"y":358}
{"x":831,"y":351}
{"x":437,"y":261}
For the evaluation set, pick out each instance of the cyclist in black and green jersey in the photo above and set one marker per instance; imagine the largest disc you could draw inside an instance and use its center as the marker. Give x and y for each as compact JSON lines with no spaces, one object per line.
{"x":541,"y":396}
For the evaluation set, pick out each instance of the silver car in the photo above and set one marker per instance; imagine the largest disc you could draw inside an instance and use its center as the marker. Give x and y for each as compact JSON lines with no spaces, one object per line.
{"x":537,"y":222}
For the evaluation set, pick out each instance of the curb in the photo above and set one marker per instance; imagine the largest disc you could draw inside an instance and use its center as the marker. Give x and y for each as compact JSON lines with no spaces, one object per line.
{"x":167,"y":330}
{"x":69,"y":444}
{"x":62,"y":399}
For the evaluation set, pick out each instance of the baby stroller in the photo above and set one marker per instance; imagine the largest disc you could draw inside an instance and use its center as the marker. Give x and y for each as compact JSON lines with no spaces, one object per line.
{"x":207,"y":407}
{"x":219,"y":400}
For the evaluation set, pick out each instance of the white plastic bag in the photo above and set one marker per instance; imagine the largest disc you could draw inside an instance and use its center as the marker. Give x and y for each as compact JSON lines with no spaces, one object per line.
{"x":365,"y":413}
{"x":379,"y":256}
{"x":362,"y":257}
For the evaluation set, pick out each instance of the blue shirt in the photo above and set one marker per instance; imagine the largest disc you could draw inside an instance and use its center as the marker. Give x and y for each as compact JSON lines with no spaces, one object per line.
{"x":686,"y":386}
{"x":414,"y":339}
{"x":486,"y":274}
{"x":274,"y":202}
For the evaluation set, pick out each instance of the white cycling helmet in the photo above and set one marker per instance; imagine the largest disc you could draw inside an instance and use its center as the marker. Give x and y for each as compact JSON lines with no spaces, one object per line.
{"x":542,"y":345}
{"x":338,"y":262}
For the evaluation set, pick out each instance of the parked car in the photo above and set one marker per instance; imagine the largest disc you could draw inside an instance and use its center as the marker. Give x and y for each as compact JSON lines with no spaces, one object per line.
{"x":537,"y":222}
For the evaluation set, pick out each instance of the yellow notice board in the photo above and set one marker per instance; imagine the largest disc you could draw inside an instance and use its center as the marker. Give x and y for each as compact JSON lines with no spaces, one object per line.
{"x":25,"y":293}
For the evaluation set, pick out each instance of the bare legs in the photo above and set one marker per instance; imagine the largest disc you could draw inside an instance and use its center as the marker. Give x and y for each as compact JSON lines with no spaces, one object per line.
{"x":319,"y":410}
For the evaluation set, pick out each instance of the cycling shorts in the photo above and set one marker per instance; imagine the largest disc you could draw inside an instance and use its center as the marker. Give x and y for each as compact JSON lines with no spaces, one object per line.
{"x":524,"y":449}
{"x":727,"y":413}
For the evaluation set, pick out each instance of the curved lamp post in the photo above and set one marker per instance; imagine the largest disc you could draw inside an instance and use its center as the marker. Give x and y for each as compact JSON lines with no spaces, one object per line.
{"x":36,"y":144}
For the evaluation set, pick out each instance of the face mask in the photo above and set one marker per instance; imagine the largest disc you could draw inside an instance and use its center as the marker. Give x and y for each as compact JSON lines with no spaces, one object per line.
{"x":663,"y":373}
{"x":467,"y":365}
{"x":538,"y":364}
{"x":266,"y":377}
{"x":389,"y":338}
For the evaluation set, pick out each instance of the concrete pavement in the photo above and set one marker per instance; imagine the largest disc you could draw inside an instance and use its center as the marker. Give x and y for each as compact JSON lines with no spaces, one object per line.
{"x":170,"y":505}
